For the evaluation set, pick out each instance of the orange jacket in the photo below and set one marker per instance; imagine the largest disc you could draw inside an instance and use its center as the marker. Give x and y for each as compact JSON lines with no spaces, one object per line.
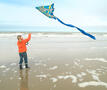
{"x":22,"y":45}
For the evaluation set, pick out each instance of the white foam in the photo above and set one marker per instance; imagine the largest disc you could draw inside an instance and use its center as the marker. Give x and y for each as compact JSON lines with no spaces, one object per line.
{"x":42,"y":35}
{"x":67,"y":72}
{"x":81,"y":74}
{"x":54,"y":67}
{"x":2,"y":66}
{"x":15,"y":71}
{"x":76,"y":63}
{"x":92,"y":83}
{"x":23,"y":66}
{"x":96,"y":59}
{"x":95,"y":77}
{"x":19,"y":78}
{"x":74,"y":78}
{"x":91,"y":71}
{"x":41,"y":76}
{"x":56,"y":35}
{"x":60,"y":77}
{"x":54,"y":79}
{"x":94,"y":74}
{"x":7,"y":69}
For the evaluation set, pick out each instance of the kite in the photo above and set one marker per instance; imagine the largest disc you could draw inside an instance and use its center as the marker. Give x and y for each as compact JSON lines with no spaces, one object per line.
{"x":49,"y":10}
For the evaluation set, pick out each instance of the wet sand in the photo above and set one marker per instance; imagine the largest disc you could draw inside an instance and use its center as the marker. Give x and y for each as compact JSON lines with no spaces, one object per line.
{"x":56,"y":63}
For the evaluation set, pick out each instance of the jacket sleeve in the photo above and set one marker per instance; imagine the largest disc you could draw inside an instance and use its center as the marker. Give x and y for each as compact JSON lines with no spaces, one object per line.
{"x":29,"y":37}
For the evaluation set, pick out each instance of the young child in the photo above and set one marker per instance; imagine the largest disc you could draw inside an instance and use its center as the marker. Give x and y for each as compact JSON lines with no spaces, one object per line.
{"x":21,"y":43}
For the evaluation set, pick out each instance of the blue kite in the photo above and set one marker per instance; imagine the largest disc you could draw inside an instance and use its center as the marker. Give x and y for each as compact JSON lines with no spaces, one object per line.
{"x":49,"y":10}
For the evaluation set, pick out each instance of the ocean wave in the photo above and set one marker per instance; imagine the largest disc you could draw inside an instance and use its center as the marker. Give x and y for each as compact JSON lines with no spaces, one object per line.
{"x":5,"y":35}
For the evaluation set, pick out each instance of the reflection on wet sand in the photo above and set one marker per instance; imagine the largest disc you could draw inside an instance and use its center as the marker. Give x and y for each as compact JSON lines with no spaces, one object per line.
{"x":24,"y":79}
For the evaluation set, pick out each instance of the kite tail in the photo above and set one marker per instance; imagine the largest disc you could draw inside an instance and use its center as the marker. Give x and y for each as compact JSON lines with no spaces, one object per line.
{"x":82,"y":31}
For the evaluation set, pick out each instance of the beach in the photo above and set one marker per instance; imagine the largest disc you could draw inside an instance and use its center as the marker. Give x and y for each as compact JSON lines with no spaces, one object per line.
{"x":58,"y":61}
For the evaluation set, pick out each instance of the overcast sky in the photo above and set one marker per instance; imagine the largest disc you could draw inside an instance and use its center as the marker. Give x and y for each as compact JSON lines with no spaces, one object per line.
{"x":83,"y":13}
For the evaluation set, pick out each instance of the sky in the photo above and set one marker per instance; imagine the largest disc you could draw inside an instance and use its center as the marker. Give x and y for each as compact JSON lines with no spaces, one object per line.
{"x":87,"y":14}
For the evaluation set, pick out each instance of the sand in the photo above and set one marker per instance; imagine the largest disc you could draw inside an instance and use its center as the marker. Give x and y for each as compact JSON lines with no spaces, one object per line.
{"x":57,"y":62}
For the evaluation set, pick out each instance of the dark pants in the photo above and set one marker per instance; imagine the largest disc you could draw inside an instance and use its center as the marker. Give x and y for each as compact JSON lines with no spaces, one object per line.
{"x":23,"y":56}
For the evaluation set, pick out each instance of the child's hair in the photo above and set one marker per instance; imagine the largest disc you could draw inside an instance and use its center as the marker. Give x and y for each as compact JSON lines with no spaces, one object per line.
{"x":19,"y":36}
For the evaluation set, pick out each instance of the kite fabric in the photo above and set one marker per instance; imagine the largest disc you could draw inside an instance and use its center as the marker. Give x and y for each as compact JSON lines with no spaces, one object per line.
{"x":48,"y":11}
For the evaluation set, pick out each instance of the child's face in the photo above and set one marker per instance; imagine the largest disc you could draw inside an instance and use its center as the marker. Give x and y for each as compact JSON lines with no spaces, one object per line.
{"x":20,"y":38}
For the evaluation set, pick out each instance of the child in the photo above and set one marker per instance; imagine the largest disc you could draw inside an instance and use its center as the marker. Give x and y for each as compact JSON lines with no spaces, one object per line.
{"x":21,"y":43}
